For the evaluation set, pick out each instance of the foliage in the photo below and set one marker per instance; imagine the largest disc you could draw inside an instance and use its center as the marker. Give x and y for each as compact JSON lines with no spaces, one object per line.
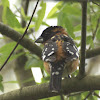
{"x":68,"y":15}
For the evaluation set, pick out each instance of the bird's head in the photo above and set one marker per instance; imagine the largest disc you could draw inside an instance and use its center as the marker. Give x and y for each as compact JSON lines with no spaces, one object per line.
{"x":48,"y":33}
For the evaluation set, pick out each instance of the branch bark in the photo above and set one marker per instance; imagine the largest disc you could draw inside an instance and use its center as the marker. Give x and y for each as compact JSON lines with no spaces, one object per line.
{"x":87,"y":83}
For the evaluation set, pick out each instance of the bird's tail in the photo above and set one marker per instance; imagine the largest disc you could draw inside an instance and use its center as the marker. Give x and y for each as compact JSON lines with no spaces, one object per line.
{"x":56,"y":77}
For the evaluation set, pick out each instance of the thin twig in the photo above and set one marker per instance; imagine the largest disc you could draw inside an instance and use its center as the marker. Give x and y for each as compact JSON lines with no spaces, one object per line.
{"x":95,"y":94}
{"x":83,"y":39}
{"x":96,"y":3}
{"x":90,"y":93}
{"x":61,"y":96}
{"x":21,"y":37}
{"x":74,"y":94}
{"x":97,"y":26}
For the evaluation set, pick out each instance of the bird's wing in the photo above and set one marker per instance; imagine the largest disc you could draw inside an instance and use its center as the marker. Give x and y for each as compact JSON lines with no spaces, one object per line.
{"x":70,"y":48}
{"x":49,"y":50}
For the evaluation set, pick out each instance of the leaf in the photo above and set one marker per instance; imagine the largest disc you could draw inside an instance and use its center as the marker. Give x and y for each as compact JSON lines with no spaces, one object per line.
{"x":53,"y":13}
{"x":20,"y":30}
{"x":22,"y":12}
{"x":1,"y":78}
{"x":65,"y":22}
{"x":72,"y":9}
{"x":27,"y":18}
{"x":28,"y":80}
{"x":41,"y":14}
{"x":5,"y":3}
{"x":33,"y":63}
{"x":77,"y":97}
{"x":77,"y":28}
{"x":98,"y":34}
{"x":55,"y":98}
{"x":6,"y":50}
{"x":11,"y":19}
{"x":88,"y":39}
{"x":92,"y":98}
{"x":11,"y":82}
{"x":1,"y":87}
{"x":69,"y":27}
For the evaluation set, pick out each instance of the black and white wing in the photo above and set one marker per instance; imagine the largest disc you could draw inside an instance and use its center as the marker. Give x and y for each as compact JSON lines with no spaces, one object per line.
{"x":48,"y":52}
{"x":70,"y":48}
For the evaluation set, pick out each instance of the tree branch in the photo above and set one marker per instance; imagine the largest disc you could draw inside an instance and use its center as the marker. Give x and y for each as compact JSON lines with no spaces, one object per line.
{"x":26,"y":43}
{"x":83,"y":39}
{"x":88,"y":83}
{"x":93,"y":53}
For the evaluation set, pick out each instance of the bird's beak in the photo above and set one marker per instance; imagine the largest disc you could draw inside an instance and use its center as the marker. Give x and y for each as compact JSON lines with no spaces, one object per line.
{"x":39,"y":40}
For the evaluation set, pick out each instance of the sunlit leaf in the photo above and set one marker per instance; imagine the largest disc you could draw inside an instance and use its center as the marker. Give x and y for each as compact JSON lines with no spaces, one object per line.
{"x":65,"y":22}
{"x":11,"y":82}
{"x":77,"y":28}
{"x":5,"y":3}
{"x":41,"y":14}
{"x":53,"y":13}
{"x":89,"y":41}
{"x":28,"y":80}
{"x":11,"y":19}
{"x":98,"y":34}
{"x":72,"y":9}
{"x":6,"y":50}
{"x":33,"y":62}
{"x":22,"y":12}
{"x":1,"y":78}
{"x":1,"y":87}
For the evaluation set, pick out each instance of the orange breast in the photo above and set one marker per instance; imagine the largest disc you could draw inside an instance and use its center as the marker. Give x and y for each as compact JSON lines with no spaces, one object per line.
{"x":70,"y":67}
{"x":60,"y":53}
{"x":47,"y":67}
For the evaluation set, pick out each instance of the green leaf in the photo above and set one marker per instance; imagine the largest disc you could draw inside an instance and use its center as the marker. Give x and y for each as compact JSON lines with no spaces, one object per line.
{"x":6,"y":50}
{"x":27,"y":18}
{"x":28,"y":80}
{"x":77,"y":38}
{"x":1,"y":87}
{"x":20,"y":30}
{"x":53,"y":13}
{"x":11,"y":82}
{"x":1,"y":78}
{"x":41,"y":14}
{"x":45,"y":79}
{"x":5,"y":3}
{"x":33,"y":61}
{"x":22,"y":12}
{"x":98,"y":34}
{"x":69,"y":27}
{"x":89,"y":41}
{"x":55,"y":98}
{"x":77,"y":27}
{"x":73,"y":9}
{"x":11,"y":19}
{"x":65,"y":22}
{"x":92,"y":98}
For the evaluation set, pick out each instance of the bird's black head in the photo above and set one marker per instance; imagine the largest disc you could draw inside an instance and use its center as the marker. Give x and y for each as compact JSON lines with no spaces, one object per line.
{"x":48,"y":33}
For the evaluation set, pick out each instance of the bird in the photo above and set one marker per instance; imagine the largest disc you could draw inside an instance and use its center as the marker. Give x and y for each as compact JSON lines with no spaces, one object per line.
{"x":60,"y":55}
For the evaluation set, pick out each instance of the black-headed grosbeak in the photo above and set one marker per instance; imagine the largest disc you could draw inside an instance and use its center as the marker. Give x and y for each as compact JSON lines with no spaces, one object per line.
{"x":60,"y":55}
